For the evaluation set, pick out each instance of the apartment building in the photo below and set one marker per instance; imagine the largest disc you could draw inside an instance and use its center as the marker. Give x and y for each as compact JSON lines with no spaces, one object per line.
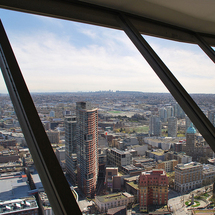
{"x":188,"y":176}
{"x":155,"y":126}
{"x":87,"y":147}
{"x":153,"y":189}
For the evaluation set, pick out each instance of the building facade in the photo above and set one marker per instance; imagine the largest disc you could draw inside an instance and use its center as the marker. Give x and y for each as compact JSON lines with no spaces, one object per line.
{"x":168,"y":166}
{"x":54,"y":136}
{"x":163,"y":114}
{"x":118,"y":157}
{"x":87,"y":147}
{"x":188,"y":176}
{"x":70,"y":147}
{"x":155,"y":126}
{"x":172,"y":127}
{"x":113,"y":200}
{"x":153,"y":189}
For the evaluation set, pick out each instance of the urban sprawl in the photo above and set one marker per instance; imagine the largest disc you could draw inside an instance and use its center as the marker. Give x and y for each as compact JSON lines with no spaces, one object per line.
{"x":121,"y":153}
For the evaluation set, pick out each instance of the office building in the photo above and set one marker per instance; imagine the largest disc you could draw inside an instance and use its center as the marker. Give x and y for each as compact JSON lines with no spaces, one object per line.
{"x":87,"y":147}
{"x":118,"y":157}
{"x":155,"y":126}
{"x":153,"y":189}
{"x":188,"y":176}
{"x":172,"y":127}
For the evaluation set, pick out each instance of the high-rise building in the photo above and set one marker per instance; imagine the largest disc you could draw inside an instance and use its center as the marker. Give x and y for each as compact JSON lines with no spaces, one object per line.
{"x":70,"y":134}
{"x":155,"y":126}
{"x":172,"y":127}
{"x":87,"y":147}
{"x":153,"y":189}
{"x":178,"y":111}
{"x":70,"y":146}
{"x":163,"y":114}
{"x":170,"y":111}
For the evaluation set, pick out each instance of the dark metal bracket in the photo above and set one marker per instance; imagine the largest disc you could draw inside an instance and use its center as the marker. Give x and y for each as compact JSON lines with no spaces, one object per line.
{"x":205,"y":47}
{"x":47,"y":165}
{"x":172,"y":84}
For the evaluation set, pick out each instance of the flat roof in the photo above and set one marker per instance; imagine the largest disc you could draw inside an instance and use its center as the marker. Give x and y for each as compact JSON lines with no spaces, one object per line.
{"x":112,"y":197}
{"x":132,"y":184}
{"x":188,"y":165}
{"x":12,"y":187}
{"x":37,"y":180}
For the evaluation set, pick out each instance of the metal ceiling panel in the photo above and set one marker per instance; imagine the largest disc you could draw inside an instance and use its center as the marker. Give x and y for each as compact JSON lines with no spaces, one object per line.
{"x":175,"y":20}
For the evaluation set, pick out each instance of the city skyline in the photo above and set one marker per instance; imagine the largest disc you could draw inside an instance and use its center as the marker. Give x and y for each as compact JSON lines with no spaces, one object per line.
{"x":63,"y":56}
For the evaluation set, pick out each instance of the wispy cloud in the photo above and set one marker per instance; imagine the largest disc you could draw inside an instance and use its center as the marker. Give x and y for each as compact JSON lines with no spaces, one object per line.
{"x":53,"y":61}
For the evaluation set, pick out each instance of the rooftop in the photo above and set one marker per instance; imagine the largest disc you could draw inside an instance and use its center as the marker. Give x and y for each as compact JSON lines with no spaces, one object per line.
{"x":16,"y":205}
{"x":12,"y":187}
{"x":188,"y":165}
{"x":112,"y":197}
{"x":132,"y":184}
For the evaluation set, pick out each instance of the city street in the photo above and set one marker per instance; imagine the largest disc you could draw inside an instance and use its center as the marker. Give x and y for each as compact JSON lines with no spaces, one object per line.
{"x":177,"y":201}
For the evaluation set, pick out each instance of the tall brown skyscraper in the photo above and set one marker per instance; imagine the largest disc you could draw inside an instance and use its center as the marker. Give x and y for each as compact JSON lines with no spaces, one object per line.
{"x":87,"y":147}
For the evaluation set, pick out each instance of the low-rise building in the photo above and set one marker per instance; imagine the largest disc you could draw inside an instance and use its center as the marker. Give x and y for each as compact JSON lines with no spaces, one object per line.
{"x":168,"y":166}
{"x":156,"y":154}
{"x":208,"y":174}
{"x":113,"y":200}
{"x":8,"y":156}
{"x":26,"y":205}
{"x":112,"y":179}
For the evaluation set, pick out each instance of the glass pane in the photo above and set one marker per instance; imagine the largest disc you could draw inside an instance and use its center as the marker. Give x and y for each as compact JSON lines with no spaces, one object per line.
{"x":140,"y":125}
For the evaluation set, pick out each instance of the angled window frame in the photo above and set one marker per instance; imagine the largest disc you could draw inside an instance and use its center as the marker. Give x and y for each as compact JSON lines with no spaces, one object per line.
{"x":59,"y":193}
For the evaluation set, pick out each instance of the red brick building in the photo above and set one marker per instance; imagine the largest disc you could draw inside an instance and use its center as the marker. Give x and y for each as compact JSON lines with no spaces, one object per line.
{"x":153,"y":188}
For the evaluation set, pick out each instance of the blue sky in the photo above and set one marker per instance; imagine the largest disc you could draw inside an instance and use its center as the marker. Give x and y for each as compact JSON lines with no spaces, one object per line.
{"x":63,"y":56}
